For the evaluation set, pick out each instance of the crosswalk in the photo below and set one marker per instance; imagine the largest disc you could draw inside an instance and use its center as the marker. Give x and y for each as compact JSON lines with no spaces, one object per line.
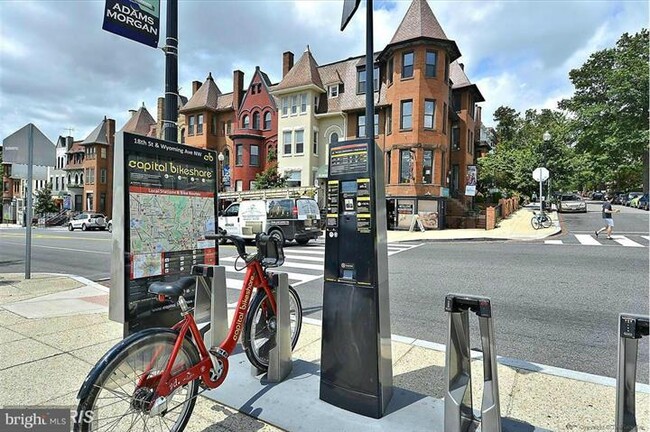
{"x":302,"y":263}
{"x":630,"y":240}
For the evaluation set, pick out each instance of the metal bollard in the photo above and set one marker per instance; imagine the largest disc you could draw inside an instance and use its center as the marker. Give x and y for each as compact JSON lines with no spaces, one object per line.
{"x":459,"y":415}
{"x":211,"y":302}
{"x":631,"y":328}
{"x":280,"y":364}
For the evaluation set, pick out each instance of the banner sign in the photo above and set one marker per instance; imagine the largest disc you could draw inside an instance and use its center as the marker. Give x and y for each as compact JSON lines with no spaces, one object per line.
{"x":169,"y":202}
{"x":470,"y":181}
{"x":138,"y":20}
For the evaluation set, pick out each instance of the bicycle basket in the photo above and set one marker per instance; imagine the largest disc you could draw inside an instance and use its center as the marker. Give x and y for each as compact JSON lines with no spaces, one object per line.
{"x":270,"y":250}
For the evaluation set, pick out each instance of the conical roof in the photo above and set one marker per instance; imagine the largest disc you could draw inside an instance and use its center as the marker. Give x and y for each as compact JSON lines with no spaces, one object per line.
{"x":140,"y":122}
{"x":98,"y":135}
{"x":303,"y":73}
{"x":419,"y":21}
{"x":206,"y":96}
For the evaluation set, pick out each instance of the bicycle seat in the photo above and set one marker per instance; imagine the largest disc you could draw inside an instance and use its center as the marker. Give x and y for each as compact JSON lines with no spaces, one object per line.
{"x":173,"y":289}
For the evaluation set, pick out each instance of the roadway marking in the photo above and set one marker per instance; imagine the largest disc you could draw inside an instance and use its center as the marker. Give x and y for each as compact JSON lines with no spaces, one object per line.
{"x":646,"y":237}
{"x":587,"y":239}
{"x":624,"y":241}
{"x":553,"y":242}
{"x":64,"y":249}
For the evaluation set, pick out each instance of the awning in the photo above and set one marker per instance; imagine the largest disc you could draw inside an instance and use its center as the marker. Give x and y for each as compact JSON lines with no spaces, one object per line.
{"x":322,"y":172}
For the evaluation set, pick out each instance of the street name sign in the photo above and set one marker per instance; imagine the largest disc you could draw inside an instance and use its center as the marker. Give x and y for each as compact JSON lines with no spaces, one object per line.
{"x":16,"y":148}
{"x":540,"y":174}
{"x":138,"y":20}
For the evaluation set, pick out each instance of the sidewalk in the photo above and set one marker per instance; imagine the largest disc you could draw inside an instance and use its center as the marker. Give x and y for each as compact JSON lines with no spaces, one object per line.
{"x":57,"y":324}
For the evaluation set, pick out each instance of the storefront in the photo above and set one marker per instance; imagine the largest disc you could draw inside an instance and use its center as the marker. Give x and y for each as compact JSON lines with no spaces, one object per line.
{"x":400,"y":212}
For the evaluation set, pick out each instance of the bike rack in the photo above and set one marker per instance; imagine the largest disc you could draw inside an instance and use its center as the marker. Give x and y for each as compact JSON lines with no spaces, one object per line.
{"x":458,"y":414}
{"x":214,"y":296}
{"x":631,"y":328}
{"x":280,"y":364}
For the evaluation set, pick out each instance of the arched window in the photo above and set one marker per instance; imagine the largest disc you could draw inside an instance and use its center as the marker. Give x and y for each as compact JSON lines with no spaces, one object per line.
{"x":334,"y":138}
{"x":267,"y":120}
{"x":245,"y":122}
{"x":182,"y":135}
{"x":256,"y":120}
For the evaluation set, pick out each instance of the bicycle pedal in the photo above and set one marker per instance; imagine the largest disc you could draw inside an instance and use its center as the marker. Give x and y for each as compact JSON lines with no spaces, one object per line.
{"x":218,"y":352}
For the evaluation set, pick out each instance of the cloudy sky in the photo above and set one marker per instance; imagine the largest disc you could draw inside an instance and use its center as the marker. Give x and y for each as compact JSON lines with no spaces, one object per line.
{"x":61,"y":71}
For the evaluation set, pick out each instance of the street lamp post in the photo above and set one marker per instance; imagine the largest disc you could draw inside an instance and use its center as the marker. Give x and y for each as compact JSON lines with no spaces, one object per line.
{"x":220,"y":159}
{"x":546,"y":137}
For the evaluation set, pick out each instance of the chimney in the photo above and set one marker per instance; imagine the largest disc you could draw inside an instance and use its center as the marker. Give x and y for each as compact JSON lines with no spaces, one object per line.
{"x":160,"y":112}
{"x":287,"y":63}
{"x":132,"y":111}
{"x":237,"y":88}
{"x":462,"y":66}
{"x":195,"y":86}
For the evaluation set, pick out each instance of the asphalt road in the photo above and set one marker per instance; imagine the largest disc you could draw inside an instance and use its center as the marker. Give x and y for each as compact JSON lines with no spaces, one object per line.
{"x":554,"y":304}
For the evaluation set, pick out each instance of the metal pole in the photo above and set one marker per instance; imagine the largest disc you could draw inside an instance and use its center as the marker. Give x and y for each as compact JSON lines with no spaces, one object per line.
{"x":541,"y":197}
{"x":28,"y":218}
{"x":170,"y":116}
{"x":370,"y":75}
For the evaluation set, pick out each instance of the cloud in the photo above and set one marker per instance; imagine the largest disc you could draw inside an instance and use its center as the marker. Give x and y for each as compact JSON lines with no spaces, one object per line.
{"x":59,"y":69}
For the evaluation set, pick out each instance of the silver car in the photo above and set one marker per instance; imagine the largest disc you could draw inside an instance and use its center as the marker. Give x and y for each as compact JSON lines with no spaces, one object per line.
{"x":571,"y":203}
{"x":88,"y":221}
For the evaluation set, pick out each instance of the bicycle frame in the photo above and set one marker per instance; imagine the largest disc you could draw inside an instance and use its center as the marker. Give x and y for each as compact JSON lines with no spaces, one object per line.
{"x":168,"y":381}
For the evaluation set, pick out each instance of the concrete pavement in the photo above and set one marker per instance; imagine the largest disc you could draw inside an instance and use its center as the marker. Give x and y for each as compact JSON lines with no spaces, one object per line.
{"x":57,"y":325}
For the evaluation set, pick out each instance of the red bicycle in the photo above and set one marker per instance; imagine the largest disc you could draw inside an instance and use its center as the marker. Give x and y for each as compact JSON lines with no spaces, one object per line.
{"x":150,"y":380}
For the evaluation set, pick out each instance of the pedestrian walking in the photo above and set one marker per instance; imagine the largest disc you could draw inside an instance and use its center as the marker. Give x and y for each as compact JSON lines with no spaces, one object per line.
{"x":607,"y":216}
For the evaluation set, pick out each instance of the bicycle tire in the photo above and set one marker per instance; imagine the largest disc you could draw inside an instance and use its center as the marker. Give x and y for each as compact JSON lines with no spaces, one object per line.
{"x":261,"y":324}
{"x":125,"y":361}
{"x":546,"y":221}
{"x":535,"y":222}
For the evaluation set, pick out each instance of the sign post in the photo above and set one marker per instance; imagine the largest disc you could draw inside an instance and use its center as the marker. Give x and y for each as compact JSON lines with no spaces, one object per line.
{"x":164,"y":207}
{"x":540,"y":174}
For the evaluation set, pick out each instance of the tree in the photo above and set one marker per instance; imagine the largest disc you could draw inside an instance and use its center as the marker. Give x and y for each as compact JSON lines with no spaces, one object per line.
{"x":270,"y":179}
{"x":44,"y":203}
{"x":610,"y":110}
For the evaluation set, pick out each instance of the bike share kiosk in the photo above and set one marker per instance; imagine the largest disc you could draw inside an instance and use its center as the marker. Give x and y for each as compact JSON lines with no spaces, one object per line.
{"x":356,"y":360}
{"x":459,"y":415}
{"x":631,"y":328}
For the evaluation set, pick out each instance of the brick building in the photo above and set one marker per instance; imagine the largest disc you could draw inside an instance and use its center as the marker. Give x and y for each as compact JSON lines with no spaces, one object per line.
{"x":97,"y":167}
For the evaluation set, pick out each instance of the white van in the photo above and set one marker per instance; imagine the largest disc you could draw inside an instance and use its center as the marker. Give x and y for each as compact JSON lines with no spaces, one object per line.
{"x":286,"y":218}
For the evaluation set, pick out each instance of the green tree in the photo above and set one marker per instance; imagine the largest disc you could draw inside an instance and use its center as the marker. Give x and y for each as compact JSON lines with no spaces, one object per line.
{"x":270,"y":179}
{"x":610,"y":111}
{"x":44,"y":203}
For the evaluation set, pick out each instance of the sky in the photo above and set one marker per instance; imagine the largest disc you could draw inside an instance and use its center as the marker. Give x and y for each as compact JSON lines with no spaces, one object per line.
{"x":62,"y":72}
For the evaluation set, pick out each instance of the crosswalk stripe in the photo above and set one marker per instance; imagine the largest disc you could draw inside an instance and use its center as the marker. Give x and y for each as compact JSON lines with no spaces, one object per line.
{"x":287,"y":263}
{"x":646,"y":237}
{"x":553,"y":242}
{"x":587,"y":239}
{"x":295,"y":276}
{"x":309,"y":252}
{"x":302,"y":257}
{"x":622,"y":240}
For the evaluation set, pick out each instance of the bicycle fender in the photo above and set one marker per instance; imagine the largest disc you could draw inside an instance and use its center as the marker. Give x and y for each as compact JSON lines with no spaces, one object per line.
{"x":112,"y":353}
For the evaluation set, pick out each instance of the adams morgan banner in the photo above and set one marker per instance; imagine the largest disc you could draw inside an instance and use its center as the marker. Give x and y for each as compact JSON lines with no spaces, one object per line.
{"x":168,"y":195}
{"x":138,"y":20}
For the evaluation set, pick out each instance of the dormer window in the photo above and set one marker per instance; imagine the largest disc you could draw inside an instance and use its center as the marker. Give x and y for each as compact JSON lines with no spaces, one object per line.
{"x":361,"y":80}
{"x":333,"y":90}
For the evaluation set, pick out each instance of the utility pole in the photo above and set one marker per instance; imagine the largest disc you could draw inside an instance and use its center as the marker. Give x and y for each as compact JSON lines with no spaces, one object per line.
{"x":170,"y":117}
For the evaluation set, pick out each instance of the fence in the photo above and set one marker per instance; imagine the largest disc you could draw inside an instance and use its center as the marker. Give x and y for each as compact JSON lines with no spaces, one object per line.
{"x":505,"y":207}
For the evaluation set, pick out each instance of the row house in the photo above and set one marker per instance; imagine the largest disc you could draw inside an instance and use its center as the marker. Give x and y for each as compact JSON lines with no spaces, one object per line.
{"x":97,"y":166}
{"x":425,"y":119}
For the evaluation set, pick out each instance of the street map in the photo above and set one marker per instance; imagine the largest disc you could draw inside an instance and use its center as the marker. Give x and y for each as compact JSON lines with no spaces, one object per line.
{"x":166,"y":223}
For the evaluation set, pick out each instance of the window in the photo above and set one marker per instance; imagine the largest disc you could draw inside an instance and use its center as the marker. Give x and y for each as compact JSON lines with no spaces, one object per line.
{"x":190,"y":126}
{"x":102,"y":176}
{"x":389,"y":120}
{"x":57,"y":184}
{"x":256,"y":120}
{"x":199,"y":124}
{"x":102,"y":153}
{"x":405,"y":165}
{"x":102,"y":202}
{"x":429,"y":113}
{"x":303,"y":103}
{"x":444,"y":117}
{"x":470,"y":107}
{"x":245,"y":122}
{"x":361,"y":126}
{"x":267,"y":120}
{"x":446,"y":68}
{"x":251,"y":185}
{"x":454,"y":177}
{"x":361,"y":81}
{"x":286,"y":141}
{"x":333,"y":90}
{"x":239,"y":154}
{"x":389,"y":73}
{"x":388,"y":164}
{"x":455,"y":102}
{"x":314,"y":143}
{"x":285,"y":106}
{"x":280,"y":208}
{"x":406,"y":113}
{"x":253,"y":88}
{"x":470,"y":142}
{"x":223,"y":128}
{"x":293,"y":180}
{"x":432,"y":60}
{"x":334,"y":138}
{"x":89,"y":202}
{"x":239,"y":185}
{"x":228,"y":127}
{"x":213,"y":125}
{"x":255,"y":155}
{"x":294,"y":105}
{"x":455,"y":138}
{"x":407,"y":65}
{"x":300,"y":141}
{"x":427,"y":167}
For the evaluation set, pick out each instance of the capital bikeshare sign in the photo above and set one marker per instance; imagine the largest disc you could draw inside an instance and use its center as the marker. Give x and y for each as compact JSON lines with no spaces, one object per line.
{"x":138,"y":20}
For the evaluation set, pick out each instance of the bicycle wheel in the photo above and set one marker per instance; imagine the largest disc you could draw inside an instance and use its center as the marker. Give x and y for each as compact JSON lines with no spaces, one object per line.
{"x":535,"y":222}
{"x":546,"y":221}
{"x":260,"y":327}
{"x":115,"y":402}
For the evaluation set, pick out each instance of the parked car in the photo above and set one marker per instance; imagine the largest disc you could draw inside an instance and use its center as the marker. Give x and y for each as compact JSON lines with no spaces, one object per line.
{"x":630,"y":197}
{"x":620,"y":198}
{"x":88,"y":221}
{"x":597,"y":196}
{"x":643,"y":202}
{"x":571,"y":203}
{"x":109,"y":225}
